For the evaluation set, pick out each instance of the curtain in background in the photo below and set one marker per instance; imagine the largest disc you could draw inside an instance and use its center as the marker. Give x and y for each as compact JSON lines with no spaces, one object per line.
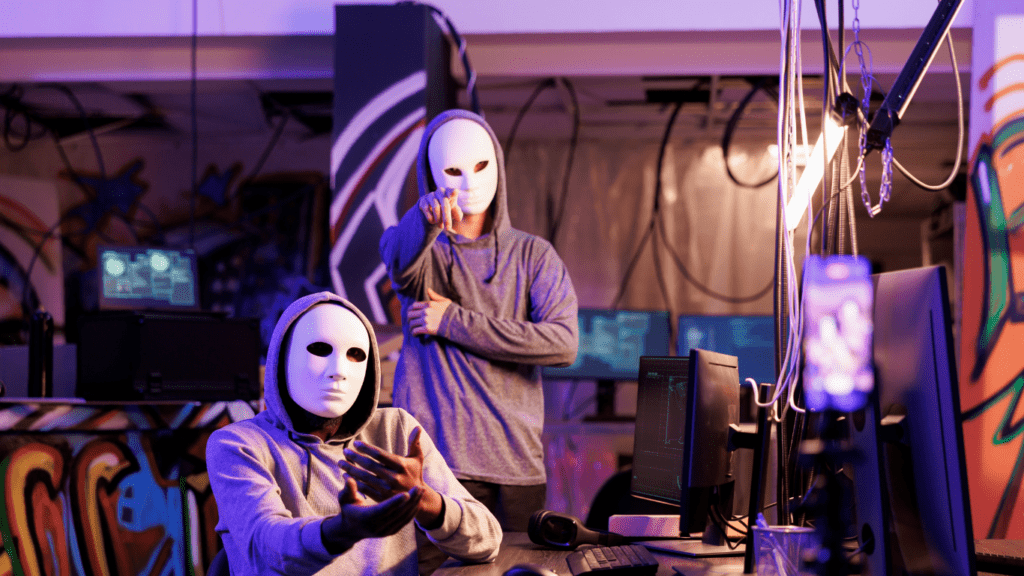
{"x":722,"y":233}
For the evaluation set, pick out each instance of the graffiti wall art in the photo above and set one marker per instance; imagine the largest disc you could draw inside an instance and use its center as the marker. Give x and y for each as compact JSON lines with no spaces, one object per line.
{"x":108,"y":489}
{"x":992,"y":338}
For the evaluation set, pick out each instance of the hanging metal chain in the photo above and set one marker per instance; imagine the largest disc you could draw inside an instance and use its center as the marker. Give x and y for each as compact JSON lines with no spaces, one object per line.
{"x":866,"y":76}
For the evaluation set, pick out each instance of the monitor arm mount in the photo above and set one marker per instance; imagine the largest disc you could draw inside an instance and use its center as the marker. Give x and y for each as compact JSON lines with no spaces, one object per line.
{"x":888,"y":116}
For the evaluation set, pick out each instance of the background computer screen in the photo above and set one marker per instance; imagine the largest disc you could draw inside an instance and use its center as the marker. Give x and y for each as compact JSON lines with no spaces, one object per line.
{"x":660,"y":434}
{"x":750,"y":338}
{"x":146,"y":278}
{"x":612,"y":342}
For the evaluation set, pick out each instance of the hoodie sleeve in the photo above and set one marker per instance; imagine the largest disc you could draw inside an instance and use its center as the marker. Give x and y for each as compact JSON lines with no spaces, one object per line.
{"x":469,"y":532}
{"x":549,"y":338}
{"x":250,"y":506}
{"x":405,"y":251}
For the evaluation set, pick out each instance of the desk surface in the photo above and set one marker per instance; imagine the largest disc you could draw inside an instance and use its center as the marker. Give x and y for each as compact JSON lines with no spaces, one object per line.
{"x":516,"y":548}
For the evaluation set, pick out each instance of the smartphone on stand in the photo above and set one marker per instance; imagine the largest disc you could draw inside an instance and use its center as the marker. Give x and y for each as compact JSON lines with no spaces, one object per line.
{"x":837,"y":328}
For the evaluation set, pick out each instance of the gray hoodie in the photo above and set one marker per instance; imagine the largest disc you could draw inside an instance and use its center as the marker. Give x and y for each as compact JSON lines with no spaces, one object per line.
{"x":476,"y":386}
{"x":275,"y":486}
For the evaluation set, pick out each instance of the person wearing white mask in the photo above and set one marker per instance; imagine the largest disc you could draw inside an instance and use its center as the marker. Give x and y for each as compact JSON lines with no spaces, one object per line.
{"x":484,"y":305}
{"x":325,"y":482}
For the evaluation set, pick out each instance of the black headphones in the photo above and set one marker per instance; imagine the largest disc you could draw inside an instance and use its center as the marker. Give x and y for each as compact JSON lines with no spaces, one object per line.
{"x":565,"y":532}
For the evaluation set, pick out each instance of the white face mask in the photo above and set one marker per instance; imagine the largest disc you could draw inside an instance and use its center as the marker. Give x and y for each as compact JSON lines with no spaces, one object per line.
{"x":461,"y":155}
{"x":327,"y":360}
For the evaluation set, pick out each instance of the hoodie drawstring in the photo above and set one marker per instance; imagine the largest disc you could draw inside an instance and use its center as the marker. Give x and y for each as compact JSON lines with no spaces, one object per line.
{"x":309,"y":464}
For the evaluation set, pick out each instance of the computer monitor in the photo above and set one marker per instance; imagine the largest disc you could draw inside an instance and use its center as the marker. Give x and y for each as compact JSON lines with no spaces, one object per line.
{"x":612,"y":342}
{"x":751,"y":339}
{"x":911,"y":498}
{"x":659,"y":437}
{"x":681,"y":455}
{"x":147,"y":278}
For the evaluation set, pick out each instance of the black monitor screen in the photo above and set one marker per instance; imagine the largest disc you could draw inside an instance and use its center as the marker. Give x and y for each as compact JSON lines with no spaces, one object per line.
{"x":141,"y":278}
{"x":660,"y":434}
{"x":911,"y":483}
{"x":750,"y":338}
{"x":612,"y":342}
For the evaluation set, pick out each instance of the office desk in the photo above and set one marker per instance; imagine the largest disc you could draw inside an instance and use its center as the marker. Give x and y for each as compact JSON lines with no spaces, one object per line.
{"x":516,"y":548}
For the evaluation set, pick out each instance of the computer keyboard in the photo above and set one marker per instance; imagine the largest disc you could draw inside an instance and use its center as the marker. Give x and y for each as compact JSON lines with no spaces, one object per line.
{"x":625,"y":560}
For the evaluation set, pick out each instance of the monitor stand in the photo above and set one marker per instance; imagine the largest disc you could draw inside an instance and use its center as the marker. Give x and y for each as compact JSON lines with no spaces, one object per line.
{"x":691,"y":548}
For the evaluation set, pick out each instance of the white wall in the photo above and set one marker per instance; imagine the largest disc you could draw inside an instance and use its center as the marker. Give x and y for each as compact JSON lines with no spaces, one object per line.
{"x":76,"y":18}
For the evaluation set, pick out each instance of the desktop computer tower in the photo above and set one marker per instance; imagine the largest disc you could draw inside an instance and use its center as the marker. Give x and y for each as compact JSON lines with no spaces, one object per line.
{"x":135,"y":355}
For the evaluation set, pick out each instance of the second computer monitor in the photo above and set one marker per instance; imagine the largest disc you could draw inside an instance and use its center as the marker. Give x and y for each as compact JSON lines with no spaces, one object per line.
{"x":685,"y":406}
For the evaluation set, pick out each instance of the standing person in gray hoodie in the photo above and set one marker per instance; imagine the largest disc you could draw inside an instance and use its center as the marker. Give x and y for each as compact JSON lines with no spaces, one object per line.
{"x":484,"y":305}
{"x":324,"y":482}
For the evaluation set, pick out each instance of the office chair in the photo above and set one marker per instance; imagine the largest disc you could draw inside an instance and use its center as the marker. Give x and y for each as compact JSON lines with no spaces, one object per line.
{"x":614,"y":498}
{"x":219,"y":566}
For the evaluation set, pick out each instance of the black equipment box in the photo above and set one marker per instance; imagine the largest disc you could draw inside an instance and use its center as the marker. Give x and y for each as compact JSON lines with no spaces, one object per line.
{"x":135,"y":355}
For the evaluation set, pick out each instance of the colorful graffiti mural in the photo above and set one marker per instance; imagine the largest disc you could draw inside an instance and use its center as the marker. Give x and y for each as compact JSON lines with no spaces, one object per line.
{"x":992,"y":353}
{"x":108,"y":489}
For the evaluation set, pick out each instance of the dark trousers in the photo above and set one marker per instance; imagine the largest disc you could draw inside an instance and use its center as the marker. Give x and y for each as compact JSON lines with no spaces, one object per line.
{"x":511,"y":505}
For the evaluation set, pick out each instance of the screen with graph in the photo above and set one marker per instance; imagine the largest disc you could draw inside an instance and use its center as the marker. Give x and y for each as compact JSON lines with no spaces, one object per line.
{"x":660,"y":434}
{"x":612,"y":342}
{"x":144,"y":278}
{"x":750,"y":338}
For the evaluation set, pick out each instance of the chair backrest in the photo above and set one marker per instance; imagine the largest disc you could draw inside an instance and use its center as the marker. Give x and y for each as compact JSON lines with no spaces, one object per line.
{"x":219,"y":566}
{"x":614,"y":498}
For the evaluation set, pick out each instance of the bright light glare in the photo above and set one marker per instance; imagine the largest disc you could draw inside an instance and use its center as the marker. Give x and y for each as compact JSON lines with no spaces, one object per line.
{"x":812,"y":174}
{"x":159,"y":262}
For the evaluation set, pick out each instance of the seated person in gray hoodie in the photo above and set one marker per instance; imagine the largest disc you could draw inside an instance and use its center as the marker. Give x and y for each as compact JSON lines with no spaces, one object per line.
{"x":323,"y":481}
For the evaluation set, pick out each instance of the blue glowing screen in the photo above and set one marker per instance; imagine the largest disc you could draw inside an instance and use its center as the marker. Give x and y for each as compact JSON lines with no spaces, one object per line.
{"x":138,"y":278}
{"x":612,"y":342}
{"x":749,"y":338}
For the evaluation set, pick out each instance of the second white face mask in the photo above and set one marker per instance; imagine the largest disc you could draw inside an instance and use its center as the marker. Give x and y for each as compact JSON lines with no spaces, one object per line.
{"x":327,"y":360}
{"x":461,"y":155}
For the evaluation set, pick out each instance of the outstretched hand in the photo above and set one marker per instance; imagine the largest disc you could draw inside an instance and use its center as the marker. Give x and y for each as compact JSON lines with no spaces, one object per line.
{"x":361,"y":518}
{"x":441,"y":208}
{"x":425,"y":317}
{"x":382,"y":475}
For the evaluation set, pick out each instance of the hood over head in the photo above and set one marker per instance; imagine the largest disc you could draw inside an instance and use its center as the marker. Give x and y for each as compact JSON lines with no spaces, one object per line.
{"x":499,"y":206}
{"x":275,"y":388}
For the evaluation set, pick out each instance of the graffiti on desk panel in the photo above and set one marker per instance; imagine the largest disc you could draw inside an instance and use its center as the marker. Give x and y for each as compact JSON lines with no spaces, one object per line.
{"x":109,"y":503}
{"x":992,"y":330}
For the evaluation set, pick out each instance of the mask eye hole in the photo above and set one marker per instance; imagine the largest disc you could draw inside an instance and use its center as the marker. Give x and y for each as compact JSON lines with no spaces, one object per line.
{"x":480,"y":166}
{"x":356,"y":354}
{"x":453,"y":171}
{"x":322,"y":349}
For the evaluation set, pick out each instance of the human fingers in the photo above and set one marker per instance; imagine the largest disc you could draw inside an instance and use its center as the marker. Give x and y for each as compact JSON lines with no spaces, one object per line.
{"x":386,"y":459}
{"x":434,"y":297}
{"x":437,"y":205}
{"x":401,"y":514}
{"x":446,"y":213}
{"x":374,"y":485}
{"x":349,"y":493}
{"x":372,"y":465}
{"x":425,"y":208}
{"x":456,"y":212}
{"x":392,"y":514}
{"x":415,"y":449}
